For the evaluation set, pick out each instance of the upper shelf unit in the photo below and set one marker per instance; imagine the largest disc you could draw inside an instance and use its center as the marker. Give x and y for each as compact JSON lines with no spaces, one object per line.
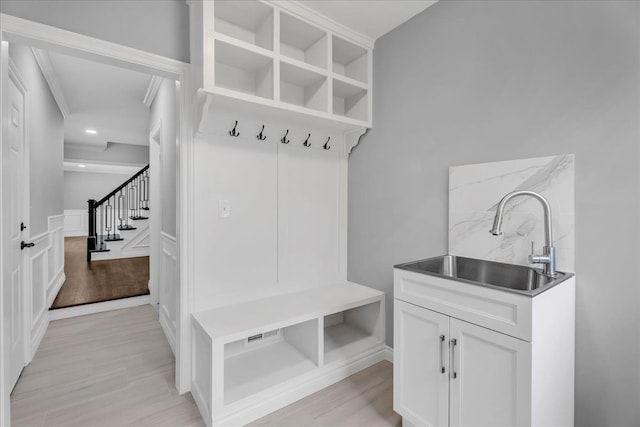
{"x":265,"y":54}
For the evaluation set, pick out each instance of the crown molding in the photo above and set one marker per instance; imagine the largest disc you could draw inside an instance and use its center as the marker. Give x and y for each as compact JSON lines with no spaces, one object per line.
{"x":92,"y":166}
{"x":296,"y":7}
{"x":44,"y":62}
{"x":152,"y":90}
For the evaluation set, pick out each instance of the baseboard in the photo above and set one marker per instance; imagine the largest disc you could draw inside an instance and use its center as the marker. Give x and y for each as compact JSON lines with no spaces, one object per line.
{"x":57,"y":283}
{"x":98,"y":307}
{"x":388,"y":353}
{"x":38,"y":333}
{"x":168,"y":333}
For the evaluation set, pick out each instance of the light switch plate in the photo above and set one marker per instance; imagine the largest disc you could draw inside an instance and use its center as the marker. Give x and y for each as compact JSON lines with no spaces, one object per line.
{"x":224,"y":208}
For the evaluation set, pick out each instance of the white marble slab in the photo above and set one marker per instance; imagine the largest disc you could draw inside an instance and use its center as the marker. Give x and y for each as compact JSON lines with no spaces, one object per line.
{"x":475,"y":190}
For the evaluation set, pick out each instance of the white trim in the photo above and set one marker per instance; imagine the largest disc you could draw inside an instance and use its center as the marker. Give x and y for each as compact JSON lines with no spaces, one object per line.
{"x":72,"y":166}
{"x":46,"y":67}
{"x":32,"y":33}
{"x":155,"y":214}
{"x":56,"y":284}
{"x":388,"y":353}
{"x":301,"y":10}
{"x":152,"y":90}
{"x":98,"y":307}
{"x":27,"y":32}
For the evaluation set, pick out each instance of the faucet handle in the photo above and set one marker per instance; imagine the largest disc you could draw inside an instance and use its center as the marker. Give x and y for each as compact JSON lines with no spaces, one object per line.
{"x":532,"y":257}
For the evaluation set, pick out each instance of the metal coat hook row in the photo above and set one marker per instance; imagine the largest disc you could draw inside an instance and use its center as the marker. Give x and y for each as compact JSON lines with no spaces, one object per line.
{"x":260,"y":136}
{"x":326,"y":145}
{"x":306,"y":142}
{"x":284,"y":138}
{"x":233,"y":132}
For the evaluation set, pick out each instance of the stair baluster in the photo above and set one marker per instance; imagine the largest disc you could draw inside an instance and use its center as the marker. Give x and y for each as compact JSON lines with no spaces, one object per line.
{"x":121,"y":205}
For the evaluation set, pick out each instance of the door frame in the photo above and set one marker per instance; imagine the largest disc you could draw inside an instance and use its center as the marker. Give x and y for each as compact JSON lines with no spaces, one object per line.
{"x":155,"y":214}
{"x":18,"y":30}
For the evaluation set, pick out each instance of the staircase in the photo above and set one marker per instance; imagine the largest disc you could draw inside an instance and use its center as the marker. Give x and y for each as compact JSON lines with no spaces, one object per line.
{"x":119,"y":222}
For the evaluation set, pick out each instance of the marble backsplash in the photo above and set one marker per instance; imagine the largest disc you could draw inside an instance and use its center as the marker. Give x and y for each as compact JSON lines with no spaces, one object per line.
{"x":474,"y":193}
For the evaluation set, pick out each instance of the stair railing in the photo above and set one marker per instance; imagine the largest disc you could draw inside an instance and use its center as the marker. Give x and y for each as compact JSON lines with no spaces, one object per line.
{"x":116,"y":210}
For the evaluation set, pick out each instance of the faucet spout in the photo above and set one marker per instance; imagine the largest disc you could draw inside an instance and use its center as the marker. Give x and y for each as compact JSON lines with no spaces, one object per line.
{"x":548,"y":258}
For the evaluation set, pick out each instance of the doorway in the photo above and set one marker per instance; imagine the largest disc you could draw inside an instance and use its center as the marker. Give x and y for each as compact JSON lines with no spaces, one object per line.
{"x":30,"y":33}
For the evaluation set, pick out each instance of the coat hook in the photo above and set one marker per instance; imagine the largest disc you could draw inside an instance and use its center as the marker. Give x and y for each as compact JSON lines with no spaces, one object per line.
{"x":284,"y":138}
{"x":306,"y":141}
{"x":233,"y":132}
{"x":260,"y":136}
{"x":326,"y":145}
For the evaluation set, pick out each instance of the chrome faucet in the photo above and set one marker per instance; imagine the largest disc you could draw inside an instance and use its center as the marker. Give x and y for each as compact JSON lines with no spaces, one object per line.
{"x":548,"y":257}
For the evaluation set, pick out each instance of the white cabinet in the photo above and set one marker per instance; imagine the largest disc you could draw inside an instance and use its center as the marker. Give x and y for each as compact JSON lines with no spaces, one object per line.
{"x":421,"y":361}
{"x":452,"y":369}
{"x":275,"y":54}
{"x":451,"y":372}
{"x":490,"y":377}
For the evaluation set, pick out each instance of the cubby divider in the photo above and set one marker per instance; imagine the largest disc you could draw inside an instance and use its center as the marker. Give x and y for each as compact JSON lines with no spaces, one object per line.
{"x":350,"y":60}
{"x":302,"y":87}
{"x":250,"y":21}
{"x":302,"y":41}
{"x":243,"y":70}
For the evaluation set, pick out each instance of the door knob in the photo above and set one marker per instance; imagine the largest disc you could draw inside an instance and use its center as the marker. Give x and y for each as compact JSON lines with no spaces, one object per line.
{"x":26,"y":245}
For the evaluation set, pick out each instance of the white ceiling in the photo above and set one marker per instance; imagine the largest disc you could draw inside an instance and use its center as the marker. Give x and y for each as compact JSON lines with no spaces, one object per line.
{"x":104,"y":98}
{"x":373,"y":18}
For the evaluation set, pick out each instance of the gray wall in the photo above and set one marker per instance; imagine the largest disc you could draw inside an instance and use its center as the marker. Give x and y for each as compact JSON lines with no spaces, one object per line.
{"x":114,"y":153}
{"x":157,"y":26}
{"x":164,"y":108}
{"x":46,"y":138}
{"x":470,"y":82}
{"x":82,"y":186}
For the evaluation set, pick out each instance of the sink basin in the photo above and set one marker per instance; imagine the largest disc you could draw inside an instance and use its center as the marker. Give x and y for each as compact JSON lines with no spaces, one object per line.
{"x":507,"y":277}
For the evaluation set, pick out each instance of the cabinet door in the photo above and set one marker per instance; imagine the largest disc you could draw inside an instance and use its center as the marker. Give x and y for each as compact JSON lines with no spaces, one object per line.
{"x":421,"y":365}
{"x":490,"y":378}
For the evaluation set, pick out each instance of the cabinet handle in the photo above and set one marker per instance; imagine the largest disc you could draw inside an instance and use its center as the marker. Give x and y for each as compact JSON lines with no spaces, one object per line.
{"x":442,"y":354}
{"x":454,"y":342}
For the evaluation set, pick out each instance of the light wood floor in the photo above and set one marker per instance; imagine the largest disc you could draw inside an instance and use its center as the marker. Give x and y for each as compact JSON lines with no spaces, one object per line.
{"x":116,"y":369}
{"x":99,"y":281}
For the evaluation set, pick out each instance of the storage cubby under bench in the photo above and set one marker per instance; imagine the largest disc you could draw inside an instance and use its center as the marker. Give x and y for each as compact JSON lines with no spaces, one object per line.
{"x":252,"y":358}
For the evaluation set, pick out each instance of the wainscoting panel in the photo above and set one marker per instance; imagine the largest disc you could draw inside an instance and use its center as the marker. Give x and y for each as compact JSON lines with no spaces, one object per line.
{"x":37,"y":271}
{"x":76,"y":222}
{"x":55,"y":256}
{"x":168,"y":289}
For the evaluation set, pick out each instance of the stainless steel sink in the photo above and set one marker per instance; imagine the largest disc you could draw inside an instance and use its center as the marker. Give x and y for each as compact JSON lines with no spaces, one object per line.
{"x":507,"y":277}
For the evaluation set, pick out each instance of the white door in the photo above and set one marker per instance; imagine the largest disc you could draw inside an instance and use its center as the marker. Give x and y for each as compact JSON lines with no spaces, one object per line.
{"x":13,"y":144}
{"x":421,"y":365}
{"x":490,"y":378}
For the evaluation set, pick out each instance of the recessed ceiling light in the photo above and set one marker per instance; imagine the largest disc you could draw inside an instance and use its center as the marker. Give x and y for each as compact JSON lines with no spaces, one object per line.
{"x":91,"y":131}
{"x":81,"y":166}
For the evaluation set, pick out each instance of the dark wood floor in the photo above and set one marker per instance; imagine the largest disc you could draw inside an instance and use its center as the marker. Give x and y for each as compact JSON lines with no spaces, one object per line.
{"x":99,"y":281}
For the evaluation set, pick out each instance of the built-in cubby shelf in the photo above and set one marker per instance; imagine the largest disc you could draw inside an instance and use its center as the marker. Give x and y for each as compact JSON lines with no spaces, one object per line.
{"x":303,"y":87}
{"x":350,"y":332}
{"x":350,"y":60}
{"x":350,"y":100}
{"x":281,"y":60}
{"x":263,"y":352}
{"x":303,"y":41}
{"x":259,"y":362}
{"x":249,"y":21}
{"x":243,"y":70}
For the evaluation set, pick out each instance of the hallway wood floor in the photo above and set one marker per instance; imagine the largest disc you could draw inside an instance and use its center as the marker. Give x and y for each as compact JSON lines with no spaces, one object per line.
{"x":116,"y":369}
{"x":99,"y":281}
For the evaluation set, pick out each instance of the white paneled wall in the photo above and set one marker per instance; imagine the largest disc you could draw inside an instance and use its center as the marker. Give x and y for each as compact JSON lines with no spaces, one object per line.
{"x":168,"y":287}
{"x":45,"y":272}
{"x":76,"y":222}
{"x":285,"y":229}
